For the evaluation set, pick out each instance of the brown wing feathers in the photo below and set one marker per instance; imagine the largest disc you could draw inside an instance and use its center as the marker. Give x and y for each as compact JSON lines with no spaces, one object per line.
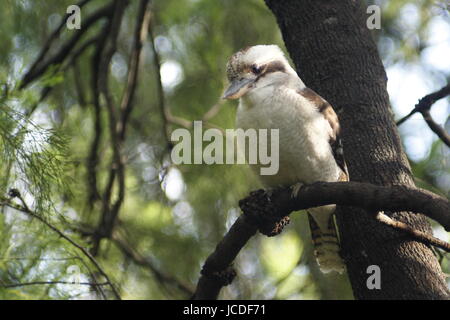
{"x":328,"y":113}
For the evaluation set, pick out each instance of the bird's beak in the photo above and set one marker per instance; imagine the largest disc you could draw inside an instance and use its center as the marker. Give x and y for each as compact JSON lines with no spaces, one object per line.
{"x":238,"y":88}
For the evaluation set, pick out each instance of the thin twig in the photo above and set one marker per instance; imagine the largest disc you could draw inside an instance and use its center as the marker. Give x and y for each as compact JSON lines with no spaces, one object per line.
{"x":165,"y":113}
{"x":426,"y":102}
{"x":66,"y":48}
{"x":79,"y":85}
{"x":423,"y":236}
{"x":110,"y":211}
{"x":25,"y":209}
{"x":71,"y":62}
{"x":140,"y":35}
{"x":93,"y":158}
{"x":52,"y":37}
{"x":440,"y":132}
{"x":423,"y":106}
{"x":214,"y":110}
{"x":80,"y":50}
{"x":161,"y":96}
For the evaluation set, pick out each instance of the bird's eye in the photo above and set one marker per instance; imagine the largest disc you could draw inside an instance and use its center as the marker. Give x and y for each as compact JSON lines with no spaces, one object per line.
{"x":255,"y":69}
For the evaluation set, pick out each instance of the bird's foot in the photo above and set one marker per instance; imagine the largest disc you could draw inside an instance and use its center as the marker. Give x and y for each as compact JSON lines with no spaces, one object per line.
{"x":295,"y":189}
{"x":269,"y":192}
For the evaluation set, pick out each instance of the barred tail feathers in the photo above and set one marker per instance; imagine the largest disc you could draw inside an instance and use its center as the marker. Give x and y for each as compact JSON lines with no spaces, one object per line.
{"x":325,"y":241}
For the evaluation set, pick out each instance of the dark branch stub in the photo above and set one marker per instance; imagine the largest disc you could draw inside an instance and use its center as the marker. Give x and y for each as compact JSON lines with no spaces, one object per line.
{"x":263,"y":213}
{"x":13,"y":193}
{"x":222,"y":277}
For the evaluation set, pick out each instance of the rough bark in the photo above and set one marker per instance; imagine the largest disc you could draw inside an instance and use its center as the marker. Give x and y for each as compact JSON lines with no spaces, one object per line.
{"x":336,"y":56}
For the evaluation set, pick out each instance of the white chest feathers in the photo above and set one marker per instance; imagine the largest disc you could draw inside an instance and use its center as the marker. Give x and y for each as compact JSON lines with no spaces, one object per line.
{"x":305,"y":153}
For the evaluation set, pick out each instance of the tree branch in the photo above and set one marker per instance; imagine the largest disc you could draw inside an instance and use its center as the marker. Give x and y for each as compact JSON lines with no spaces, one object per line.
{"x":161,"y":96}
{"x":118,"y":122}
{"x":216,"y":271}
{"x":363,"y":195}
{"x":440,"y":132}
{"x":93,"y":159}
{"x":109,"y":212}
{"x":71,"y":62}
{"x":100,"y":67}
{"x":49,"y":42}
{"x":26,"y":210}
{"x":140,"y":34}
{"x":419,"y":235}
{"x":268,"y":214}
{"x":165,"y":113}
{"x":40,"y":66}
{"x":424,"y":106}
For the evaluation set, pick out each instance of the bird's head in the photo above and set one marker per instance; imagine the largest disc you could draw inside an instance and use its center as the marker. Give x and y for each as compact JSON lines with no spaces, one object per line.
{"x":256,"y":67}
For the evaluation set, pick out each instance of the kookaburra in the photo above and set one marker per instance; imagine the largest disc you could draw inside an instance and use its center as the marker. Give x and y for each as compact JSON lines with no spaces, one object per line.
{"x":272,"y":96}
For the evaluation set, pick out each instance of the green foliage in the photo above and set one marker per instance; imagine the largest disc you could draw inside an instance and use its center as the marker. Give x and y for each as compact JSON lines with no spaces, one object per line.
{"x":45,"y":147}
{"x":32,"y":158}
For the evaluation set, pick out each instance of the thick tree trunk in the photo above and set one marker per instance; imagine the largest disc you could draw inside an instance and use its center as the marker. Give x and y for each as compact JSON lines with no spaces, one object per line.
{"x":336,"y":56}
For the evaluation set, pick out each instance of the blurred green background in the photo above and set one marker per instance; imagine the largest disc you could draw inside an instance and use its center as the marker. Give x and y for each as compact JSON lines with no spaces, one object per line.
{"x":172,"y":216}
